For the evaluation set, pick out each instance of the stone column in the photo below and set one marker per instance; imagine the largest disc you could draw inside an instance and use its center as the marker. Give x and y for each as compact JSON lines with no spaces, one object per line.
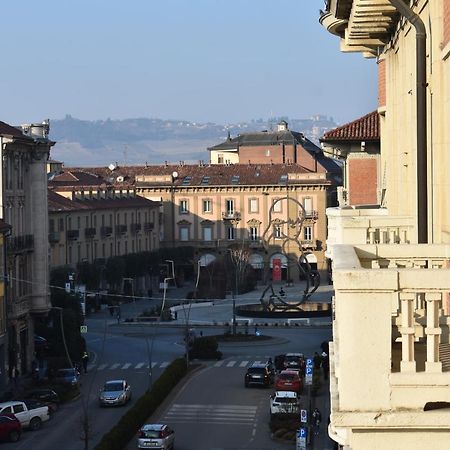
{"x":408,"y":363}
{"x":433,"y":332}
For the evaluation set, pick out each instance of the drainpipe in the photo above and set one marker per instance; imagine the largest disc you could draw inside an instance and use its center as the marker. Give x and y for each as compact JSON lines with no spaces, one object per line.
{"x":421,"y":109}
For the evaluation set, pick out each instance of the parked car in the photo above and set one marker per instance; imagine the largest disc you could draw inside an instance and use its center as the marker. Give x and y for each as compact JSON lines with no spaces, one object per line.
{"x":260,"y":374}
{"x":10,"y":427}
{"x":295,"y":361}
{"x":115,"y":392}
{"x":284,"y":402}
{"x":46,"y":396}
{"x":157,"y":436}
{"x":289,"y":380}
{"x":30,"y":413}
{"x":70,"y":376}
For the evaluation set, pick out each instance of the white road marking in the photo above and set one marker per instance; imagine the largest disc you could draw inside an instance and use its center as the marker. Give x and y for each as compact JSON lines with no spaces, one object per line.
{"x":231,"y":363}
{"x":164,"y":364}
{"x":243,"y":363}
{"x":219,"y":364}
{"x":102,"y":366}
{"x":126,"y":366}
{"x":114,"y":366}
{"x":138,"y":366}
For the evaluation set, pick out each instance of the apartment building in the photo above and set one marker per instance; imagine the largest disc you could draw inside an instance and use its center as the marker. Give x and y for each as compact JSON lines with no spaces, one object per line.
{"x":391,"y":265}
{"x":212,"y":207}
{"x":357,"y":145}
{"x":91,"y":219}
{"x":25,"y":151}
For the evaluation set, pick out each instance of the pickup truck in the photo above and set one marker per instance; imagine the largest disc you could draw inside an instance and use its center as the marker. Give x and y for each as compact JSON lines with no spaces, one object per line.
{"x":30,"y":413}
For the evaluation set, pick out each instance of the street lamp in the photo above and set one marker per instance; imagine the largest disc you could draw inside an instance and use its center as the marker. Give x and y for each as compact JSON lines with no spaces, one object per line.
{"x":173,"y":271}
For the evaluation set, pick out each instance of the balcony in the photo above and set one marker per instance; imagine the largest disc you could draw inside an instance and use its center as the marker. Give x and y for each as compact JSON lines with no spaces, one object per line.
{"x":121,"y":229}
{"x":367,"y":226}
{"x":231,"y":215}
{"x":19,"y":308}
{"x":148,"y":226}
{"x":90,"y":233}
{"x":21,"y":244}
{"x":54,"y":237}
{"x":311,"y":215}
{"x":73,"y":235}
{"x":135,"y":228}
{"x":106,"y":232}
{"x":392,"y":309}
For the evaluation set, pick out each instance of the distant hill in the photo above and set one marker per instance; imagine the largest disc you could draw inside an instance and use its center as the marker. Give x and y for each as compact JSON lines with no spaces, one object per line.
{"x":137,"y":141}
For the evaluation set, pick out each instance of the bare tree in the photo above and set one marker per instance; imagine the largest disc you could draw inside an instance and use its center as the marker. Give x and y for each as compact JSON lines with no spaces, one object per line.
{"x":240,"y":257}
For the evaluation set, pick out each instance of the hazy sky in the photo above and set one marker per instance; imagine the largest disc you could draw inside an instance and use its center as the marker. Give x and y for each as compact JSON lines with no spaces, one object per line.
{"x":200,"y":60}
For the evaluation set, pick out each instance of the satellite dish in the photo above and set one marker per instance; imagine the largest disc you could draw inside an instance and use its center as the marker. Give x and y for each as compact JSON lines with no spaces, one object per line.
{"x":111,"y":167}
{"x":174,"y":174}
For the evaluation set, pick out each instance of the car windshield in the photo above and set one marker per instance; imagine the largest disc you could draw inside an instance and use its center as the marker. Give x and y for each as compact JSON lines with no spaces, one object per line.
{"x":256,"y":370}
{"x":285,"y":400}
{"x":113,"y":386}
{"x":287,"y":376}
{"x":151,"y":434}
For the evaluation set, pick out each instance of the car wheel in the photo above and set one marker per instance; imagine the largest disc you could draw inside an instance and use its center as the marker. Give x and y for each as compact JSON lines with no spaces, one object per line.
{"x":35,"y":423}
{"x":14,"y":436}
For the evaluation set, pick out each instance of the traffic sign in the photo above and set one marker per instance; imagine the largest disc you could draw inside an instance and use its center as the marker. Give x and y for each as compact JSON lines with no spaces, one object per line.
{"x":309,"y":370}
{"x":68,"y":288}
{"x":301,"y":439}
{"x":309,"y":362}
{"x":83,"y":329}
{"x":303,"y":416}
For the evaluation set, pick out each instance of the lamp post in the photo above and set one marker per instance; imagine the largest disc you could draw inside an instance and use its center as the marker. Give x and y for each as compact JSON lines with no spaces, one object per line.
{"x":63,"y":335}
{"x":173,"y":270}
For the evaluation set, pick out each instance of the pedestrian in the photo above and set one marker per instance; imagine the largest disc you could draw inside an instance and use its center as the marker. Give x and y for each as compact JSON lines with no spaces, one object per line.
{"x":317,"y":360}
{"x":317,"y":418}
{"x":282,"y":293}
{"x":15,"y":375}
{"x":118,"y":317}
{"x":85,"y":360}
{"x":325,"y":365}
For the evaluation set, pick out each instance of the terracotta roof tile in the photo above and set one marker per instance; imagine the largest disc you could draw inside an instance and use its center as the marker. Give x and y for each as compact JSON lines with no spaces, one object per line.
{"x":58,"y":202}
{"x":366,"y":128}
{"x":205,"y":175}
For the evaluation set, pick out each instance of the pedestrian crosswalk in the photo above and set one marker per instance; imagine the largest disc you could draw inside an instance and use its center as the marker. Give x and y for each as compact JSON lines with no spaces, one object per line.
{"x":224,"y":363}
{"x":212,"y":414}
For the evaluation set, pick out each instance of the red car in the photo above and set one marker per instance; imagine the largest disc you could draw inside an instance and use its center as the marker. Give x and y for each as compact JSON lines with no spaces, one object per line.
{"x":10,"y":428}
{"x":289,"y":380}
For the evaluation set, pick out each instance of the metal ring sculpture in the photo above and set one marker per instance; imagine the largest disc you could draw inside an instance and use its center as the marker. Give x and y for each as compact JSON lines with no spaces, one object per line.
{"x":276,"y":301}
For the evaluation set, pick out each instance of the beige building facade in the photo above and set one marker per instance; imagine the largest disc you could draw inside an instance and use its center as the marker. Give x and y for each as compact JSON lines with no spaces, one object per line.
{"x":90,"y":219}
{"x":391,"y":265}
{"x":213,"y":207}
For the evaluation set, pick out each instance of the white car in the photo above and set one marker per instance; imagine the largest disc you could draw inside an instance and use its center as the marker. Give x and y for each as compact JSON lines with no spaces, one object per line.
{"x":284,"y":402}
{"x":156,"y":436}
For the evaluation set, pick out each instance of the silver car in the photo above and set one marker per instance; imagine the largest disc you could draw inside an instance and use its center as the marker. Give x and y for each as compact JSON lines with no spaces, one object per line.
{"x":157,"y":437}
{"x":115,"y":392}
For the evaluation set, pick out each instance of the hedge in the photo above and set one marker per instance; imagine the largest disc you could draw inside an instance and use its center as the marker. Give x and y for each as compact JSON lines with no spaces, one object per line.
{"x":122,"y":433}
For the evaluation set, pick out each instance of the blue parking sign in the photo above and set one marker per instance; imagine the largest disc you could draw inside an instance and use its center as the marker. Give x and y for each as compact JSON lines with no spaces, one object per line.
{"x":309,"y":362}
{"x":302,"y":433}
{"x":309,"y":370}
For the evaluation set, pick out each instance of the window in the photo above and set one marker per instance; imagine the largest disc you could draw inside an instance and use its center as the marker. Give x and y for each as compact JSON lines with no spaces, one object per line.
{"x":229,"y":206}
{"x":51,"y":226}
{"x":231,"y":233}
{"x":307,"y":234}
{"x":103,"y":250}
{"x":205,"y":180}
{"x":78,"y":222}
{"x":125,"y":218}
{"x":277,"y":205}
{"x":207,"y":234}
{"x":184,"y":207}
{"x":268,"y":152}
{"x":207,"y":206}
{"x":253,"y":205}
{"x":307,"y":204}
{"x":95,"y":221}
{"x":184,"y":233}
{"x":277,"y":231}
{"x":253,"y":231}
{"x":61,"y":224}
{"x":86,"y":222}
{"x":220,"y":158}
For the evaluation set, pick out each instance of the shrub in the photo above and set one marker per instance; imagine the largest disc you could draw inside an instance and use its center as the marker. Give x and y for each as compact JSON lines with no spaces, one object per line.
{"x":205,"y":348}
{"x":119,"y":436}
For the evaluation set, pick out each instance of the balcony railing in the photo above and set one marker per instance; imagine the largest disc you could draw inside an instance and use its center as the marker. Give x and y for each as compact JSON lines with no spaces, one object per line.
{"x":90,"y":233}
{"x":392,"y":305}
{"x":311,"y":215}
{"x":121,"y":229}
{"x":54,"y":237}
{"x":367,"y":226}
{"x":231,"y":215}
{"x":18,"y":308}
{"x":148,"y":226}
{"x":135,"y":227}
{"x":73,"y":235}
{"x":23,"y":243}
{"x":106,"y":231}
